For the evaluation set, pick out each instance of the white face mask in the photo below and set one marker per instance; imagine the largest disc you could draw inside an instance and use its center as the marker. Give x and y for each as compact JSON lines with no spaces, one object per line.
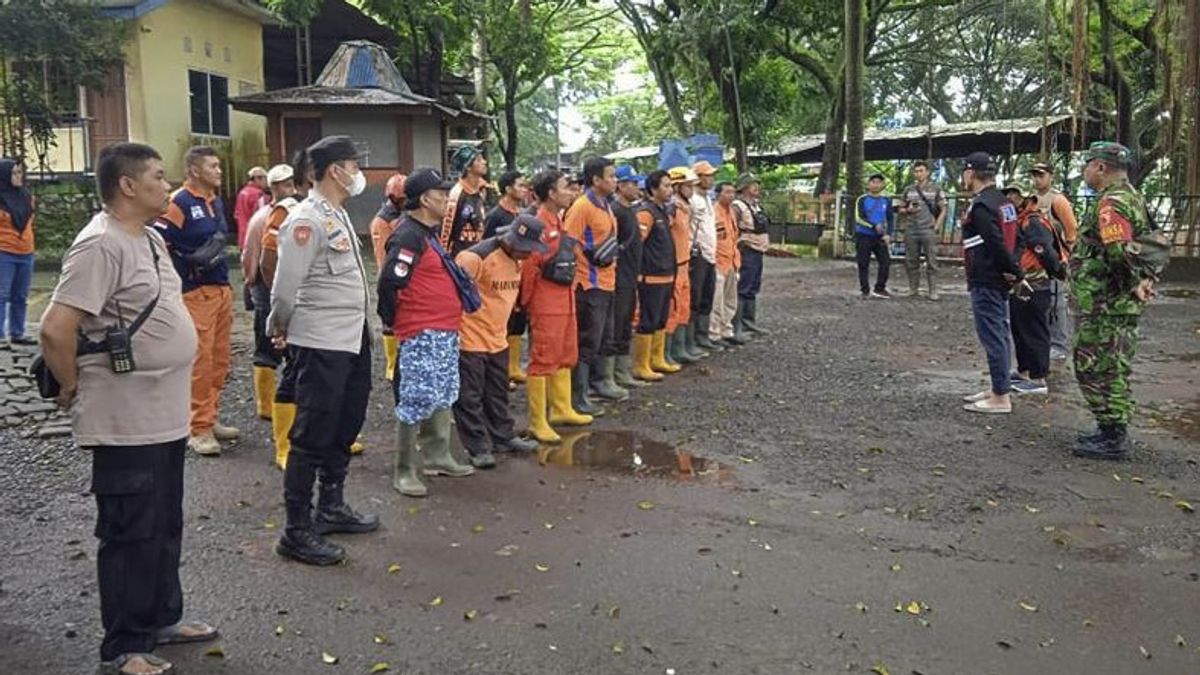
{"x":358,"y":183}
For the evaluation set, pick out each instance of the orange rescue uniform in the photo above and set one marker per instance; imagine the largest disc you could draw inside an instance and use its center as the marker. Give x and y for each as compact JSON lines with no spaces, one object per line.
{"x":553,"y":337}
{"x":590,"y":221}
{"x":729,"y":258}
{"x":681,"y":231}
{"x":498,"y":276}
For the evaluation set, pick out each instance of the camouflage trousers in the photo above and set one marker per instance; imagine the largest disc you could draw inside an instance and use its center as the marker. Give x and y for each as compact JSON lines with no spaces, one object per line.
{"x":1104,"y":348}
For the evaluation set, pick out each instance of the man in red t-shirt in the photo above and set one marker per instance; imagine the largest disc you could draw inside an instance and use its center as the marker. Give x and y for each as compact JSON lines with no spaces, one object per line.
{"x":419,"y":300}
{"x":252,"y":197}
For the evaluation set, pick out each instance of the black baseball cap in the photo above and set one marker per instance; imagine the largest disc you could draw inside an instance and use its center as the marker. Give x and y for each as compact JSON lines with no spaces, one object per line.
{"x":421,"y":181}
{"x":979,"y":161}
{"x":525,"y":234}
{"x":1042,"y":167}
{"x":876,"y":175}
{"x":330,"y":150}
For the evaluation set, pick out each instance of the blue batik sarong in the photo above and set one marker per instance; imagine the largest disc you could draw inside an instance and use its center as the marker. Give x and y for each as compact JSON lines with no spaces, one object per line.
{"x":427,"y":377}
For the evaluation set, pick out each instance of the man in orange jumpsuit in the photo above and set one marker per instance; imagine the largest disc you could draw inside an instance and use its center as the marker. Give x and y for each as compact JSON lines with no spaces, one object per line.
{"x":382,"y":226}
{"x":547,"y":281}
{"x":196,"y":233}
{"x":591,"y":222}
{"x":684,"y":181}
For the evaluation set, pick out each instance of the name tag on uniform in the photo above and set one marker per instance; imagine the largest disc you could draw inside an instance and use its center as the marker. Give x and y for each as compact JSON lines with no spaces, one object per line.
{"x":338,"y":240}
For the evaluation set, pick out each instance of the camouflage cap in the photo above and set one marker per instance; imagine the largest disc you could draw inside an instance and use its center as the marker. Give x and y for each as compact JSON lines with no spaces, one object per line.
{"x":1109,"y":152}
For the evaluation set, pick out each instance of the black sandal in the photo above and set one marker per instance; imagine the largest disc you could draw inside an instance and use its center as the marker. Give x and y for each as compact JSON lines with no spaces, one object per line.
{"x":117,"y":665}
{"x":199,"y":632}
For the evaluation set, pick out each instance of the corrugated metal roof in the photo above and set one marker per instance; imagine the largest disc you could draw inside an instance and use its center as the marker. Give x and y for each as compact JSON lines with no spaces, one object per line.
{"x":1022,"y":125}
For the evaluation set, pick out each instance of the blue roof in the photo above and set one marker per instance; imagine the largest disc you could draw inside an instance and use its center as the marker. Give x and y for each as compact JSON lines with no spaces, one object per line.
{"x":362,"y":73}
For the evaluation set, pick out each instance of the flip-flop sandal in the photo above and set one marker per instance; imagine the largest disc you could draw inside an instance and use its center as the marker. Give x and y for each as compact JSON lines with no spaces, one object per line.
{"x":197,"y":631}
{"x":983,"y":407}
{"x":117,"y":665}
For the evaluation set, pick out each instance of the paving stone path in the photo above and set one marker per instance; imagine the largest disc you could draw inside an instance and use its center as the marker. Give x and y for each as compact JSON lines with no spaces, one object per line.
{"x":20,"y":404}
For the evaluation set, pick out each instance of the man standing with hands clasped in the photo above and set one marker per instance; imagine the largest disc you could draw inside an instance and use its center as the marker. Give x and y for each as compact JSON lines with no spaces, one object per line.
{"x":319,"y":311}
{"x":989,"y":240}
{"x":128,"y":389}
{"x":1118,"y":258}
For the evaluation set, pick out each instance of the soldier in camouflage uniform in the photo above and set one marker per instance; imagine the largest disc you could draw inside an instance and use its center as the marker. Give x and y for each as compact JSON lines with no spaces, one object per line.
{"x":1113,"y":269}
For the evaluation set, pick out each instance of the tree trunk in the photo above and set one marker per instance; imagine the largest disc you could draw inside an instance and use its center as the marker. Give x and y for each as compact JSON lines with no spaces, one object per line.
{"x":726,"y":86}
{"x":831,"y":156}
{"x":510,"y":125}
{"x":854,"y":97}
{"x":433,"y":73}
{"x":479,"y":56}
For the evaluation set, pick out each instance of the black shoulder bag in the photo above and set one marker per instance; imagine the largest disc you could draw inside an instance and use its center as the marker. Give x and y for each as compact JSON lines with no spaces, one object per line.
{"x":117,"y":342}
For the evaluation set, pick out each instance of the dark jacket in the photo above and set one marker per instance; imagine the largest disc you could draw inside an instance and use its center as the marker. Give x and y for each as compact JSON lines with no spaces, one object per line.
{"x":629,"y":264}
{"x":990,"y":240}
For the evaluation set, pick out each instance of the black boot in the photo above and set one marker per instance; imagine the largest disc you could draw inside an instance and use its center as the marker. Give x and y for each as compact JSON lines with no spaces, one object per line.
{"x":306,"y":546}
{"x":750,"y":317}
{"x":1112,"y":443}
{"x":335,"y":515}
{"x":703,"y":323}
{"x":579,"y":391}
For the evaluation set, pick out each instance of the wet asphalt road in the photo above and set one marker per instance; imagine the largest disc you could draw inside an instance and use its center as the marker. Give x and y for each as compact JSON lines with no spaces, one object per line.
{"x":836,"y":481}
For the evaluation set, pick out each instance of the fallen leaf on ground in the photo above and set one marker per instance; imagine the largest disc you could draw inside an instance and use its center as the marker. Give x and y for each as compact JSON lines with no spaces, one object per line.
{"x":436,"y":602}
{"x":217,"y":651}
{"x":507,"y":550}
{"x":1004,"y":644}
{"x":1088,"y":623}
{"x":880,"y":669}
{"x":542,"y":567}
{"x":752,"y":522}
{"x":614,"y":612}
{"x":393,"y":568}
{"x":737,"y":573}
{"x":477,"y":528}
{"x":380,"y":639}
{"x":413,"y":510}
{"x":548,"y":526}
{"x":278,"y":630}
{"x":1145,"y":652}
{"x":618,"y":647}
{"x":328,"y":658}
{"x":861,"y":606}
{"x":896,"y":567}
{"x":646,"y":505}
{"x":1137,"y":479}
{"x":1032,"y":509}
{"x":913,"y":607}
{"x":470,"y":614}
{"x":745,"y":459}
{"x":1179,"y":641}
{"x":380,"y":667}
{"x":1185,"y":506}
{"x":1027,"y":606}
{"x":876,"y":450}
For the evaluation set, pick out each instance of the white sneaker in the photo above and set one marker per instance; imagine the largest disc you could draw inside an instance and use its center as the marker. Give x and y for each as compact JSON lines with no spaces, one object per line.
{"x":205,"y":444}
{"x":224,"y":433}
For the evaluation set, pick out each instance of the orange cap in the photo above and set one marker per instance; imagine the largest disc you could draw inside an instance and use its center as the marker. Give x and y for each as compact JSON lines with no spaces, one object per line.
{"x":703,"y":168}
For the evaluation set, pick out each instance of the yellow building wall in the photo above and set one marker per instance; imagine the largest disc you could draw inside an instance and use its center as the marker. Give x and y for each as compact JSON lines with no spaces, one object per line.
{"x":194,"y":35}
{"x":68,"y":155}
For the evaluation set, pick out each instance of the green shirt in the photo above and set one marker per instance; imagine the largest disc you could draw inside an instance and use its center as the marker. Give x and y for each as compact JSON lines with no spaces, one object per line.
{"x":1106,"y":266}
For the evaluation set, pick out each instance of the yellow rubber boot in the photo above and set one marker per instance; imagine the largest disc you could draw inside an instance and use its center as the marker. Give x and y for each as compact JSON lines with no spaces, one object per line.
{"x":561,"y":411}
{"x":658,"y":355}
{"x":283,"y":415}
{"x":539,"y":426}
{"x":264,"y":390}
{"x":642,"y":344}
{"x":514,"y":359}
{"x":389,"y":353}
{"x":357,"y":447}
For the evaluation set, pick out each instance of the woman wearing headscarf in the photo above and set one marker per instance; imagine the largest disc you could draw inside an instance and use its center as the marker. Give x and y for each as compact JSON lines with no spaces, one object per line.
{"x":16,"y":252}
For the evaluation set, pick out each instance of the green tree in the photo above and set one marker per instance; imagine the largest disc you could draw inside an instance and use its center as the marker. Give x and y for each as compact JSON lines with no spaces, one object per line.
{"x":43,"y":40}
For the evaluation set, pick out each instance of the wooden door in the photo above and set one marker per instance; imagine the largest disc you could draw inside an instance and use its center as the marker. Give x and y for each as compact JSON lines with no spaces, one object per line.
{"x":299,"y":133}
{"x":106,"y":112}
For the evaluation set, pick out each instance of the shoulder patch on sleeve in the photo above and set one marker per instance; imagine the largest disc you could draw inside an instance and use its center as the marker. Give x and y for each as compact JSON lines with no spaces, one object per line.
{"x":1114,"y":226}
{"x":301,"y":233}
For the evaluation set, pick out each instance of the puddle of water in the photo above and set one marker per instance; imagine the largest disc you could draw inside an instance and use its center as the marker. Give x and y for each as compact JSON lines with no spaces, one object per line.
{"x":1184,"y":422}
{"x":627,"y":452}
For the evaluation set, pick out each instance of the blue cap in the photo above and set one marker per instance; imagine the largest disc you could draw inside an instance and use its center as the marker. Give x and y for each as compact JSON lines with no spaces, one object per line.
{"x":625,"y":173}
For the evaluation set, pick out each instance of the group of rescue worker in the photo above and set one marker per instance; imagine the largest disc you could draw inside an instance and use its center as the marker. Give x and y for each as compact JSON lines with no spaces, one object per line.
{"x":579,"y":287}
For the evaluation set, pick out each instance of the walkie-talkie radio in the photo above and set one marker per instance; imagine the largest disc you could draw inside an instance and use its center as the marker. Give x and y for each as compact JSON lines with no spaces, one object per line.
{"x":119,"y":344}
